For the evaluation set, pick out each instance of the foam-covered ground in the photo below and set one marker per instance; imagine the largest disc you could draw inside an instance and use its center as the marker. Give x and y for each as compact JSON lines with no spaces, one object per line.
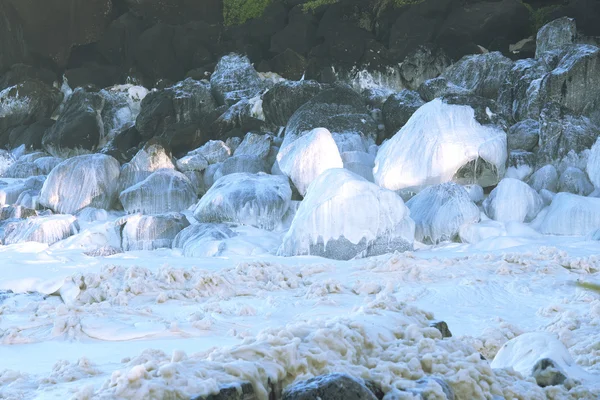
{"x":145,"y":325}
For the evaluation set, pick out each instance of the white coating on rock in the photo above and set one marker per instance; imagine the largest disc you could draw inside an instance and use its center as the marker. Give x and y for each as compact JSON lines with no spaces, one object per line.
{"x":165,"y":190}
{"x":309,"y":156}
{"x":83,"y":181}
{"x":258,"y":200}
{"x":513,"y":200}
{"x":49,"y":229}
{"x":149,"y":159}
{"x":440,"y":211}
{"x":434,"y":144}
{"x":149,"y":232}
{"x":570,"y":214}
{"x":342,"y":204}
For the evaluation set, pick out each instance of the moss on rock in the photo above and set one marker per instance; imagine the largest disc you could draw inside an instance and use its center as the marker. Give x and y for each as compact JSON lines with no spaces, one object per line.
{"x":237,"y":12}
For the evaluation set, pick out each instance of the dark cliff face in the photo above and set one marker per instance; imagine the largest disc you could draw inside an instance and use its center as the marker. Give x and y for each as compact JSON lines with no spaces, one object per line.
{"x":103,"y":41}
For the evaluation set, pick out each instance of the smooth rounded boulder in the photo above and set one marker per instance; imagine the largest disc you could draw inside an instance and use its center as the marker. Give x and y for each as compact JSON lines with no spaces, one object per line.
{"x":258,"y":200}
{"x":344,"y":216}
{"x":84,"y":181}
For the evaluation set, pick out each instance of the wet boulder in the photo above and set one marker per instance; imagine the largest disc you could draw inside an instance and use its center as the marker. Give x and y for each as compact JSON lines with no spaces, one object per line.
{"x":282,"y":100}
{"x":82,"y":181}
{"x":48,"y":229}
{"x":152,"y":157}
{"x":235,"y":79}
{"x":331,"y":386}
{"x":398,"y":109}
{"x":163,"y":191}
{"x":149,"y":232}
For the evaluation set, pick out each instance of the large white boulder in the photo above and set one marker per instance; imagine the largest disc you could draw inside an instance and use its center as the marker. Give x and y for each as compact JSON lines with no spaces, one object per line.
{"x":439,"y":212}
{"x":149,"y":232}
{"x":49,"y":229}
{"x":570,"y":214}
{"x":258,"y":200}
{"x":344,"y":216}
{"x":165,"y":190}
{"x":84,"y":181}
{"x":150,"y":158}
{"x":304,"y":159}
{"x":436,"y":142}
{"x":513,"y":200}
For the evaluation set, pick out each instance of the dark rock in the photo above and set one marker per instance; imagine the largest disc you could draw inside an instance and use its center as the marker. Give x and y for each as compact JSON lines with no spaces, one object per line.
{"x":524,"y":135}
{"x":25,"y":103}
{"x":157,"y":112}
{"x":78,"y":129}
{"x":289,"y":64}
{"x":486,"y":110}
{"x":235,"y":79}
{"x":13,"y":47}
{"x":481,"y":74}
{"x":562,"y":132}
{"x":282,"y":100}
{"x":546,"y":372}
{"x":483,"y":23}
{"x":574,"y":83}
{"x":243,"y":391}
{"x":155,"y":54}
{"x":124,"y":145}
{"x":48,"y":30}
{"x":330,"y":387}
{"x":514,"y":95}
{"x":423,"y":383}
{"x":118,"y":42}
{"x":30,"y":136}
{"x":245,"y":115}
{"x":574,"y":180}
{"x":398,"y":108}
{"x":20,"y":73}
{"x":100,"y":76}
{"x":441,"y":326}
{"x":424,"y":63}
{"x":298,"y":35}
{"x":343,"y":112}
{"x":555,"y":35}
{"x":439,"y":87}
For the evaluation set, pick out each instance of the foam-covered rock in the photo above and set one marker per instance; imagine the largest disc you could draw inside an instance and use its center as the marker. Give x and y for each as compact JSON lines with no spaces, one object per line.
{"x":250,"y":199}
{"x":476,"y":193}
{"x":21,"y":169}
{"x":244,"y":163}
{"x":593,"y":164}
{"x":435,"y":144}
{"x":524,"y":353}
{"x":545,"y":178}
{"x":306,"y":158}
{"x":439,"y":211}
{"x":49,"y":229}
{"x":518,"y":96}
{"x":513,"y":200}
{"x":164,"y":191}
{"x":360,"y":163}
{"x":340,"y":110}
{"x":234,"y":79}
{"x":574,"y":180}
{"x":46,"y":164}
{"x":555,"y":35}
{"x":152,"y":157}
{"x":83,"y":181}
{"x":202,"y":240}
{"x":149,"y":232}
{"x":520,"y":165}
{"x":254,"y":145}
{"x":214,"y":151}
{"x":345,"y":216}
{"x":570,"y":214}
{"x":195,"y":162}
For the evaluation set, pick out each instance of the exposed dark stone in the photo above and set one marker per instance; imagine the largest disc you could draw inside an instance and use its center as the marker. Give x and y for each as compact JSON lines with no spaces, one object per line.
{"x":119,"y":41}
{"x":13,"y":45}
{"x":425,"y":62}
{"x":289,"y":64}
{"x":486,"y":110}
{"x":282,"y":100}
{"x":485,"y":23}
{"x":441,"y":326}
{"x":30,"y":135}
{"x":78,"y":128}
{"x":524,"y":135}
{"x":342,"y":111}
{"x":124,"y":145}
{"x":514,"y":94}
{"x":155,"y":54}
{"x":398,"y":108}
{"x":298,"y":35}
{"x":241,"y":116}
{"x":20,"y":73}
{"x":100,"y":76}
{"x":561,"y":132}
{"x":438,"y":87}
{"x":547,"y":373}
{"x":157,"y":111}
{"x":178,"y":11}
{"x":555,"y":35}
{"x":330,"y":387}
